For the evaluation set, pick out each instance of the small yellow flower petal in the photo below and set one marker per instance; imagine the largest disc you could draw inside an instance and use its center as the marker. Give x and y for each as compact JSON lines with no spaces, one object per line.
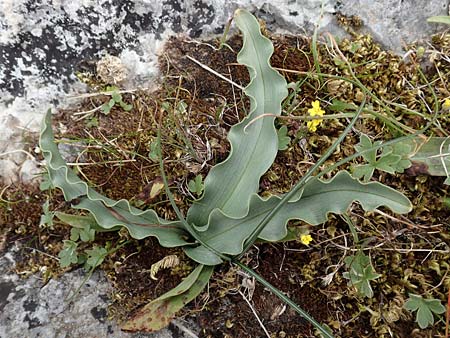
{"x":305,"y":239}
{"x":446,"y":104}
{"x":315,"y":111}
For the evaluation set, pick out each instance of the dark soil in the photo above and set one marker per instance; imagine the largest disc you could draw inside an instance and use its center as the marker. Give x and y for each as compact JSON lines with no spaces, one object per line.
{"x":117,"y":151}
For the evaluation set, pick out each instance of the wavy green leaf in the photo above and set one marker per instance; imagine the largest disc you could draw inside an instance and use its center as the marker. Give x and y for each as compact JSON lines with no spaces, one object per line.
{"x":108,"y":213}
{"x":318,"y":199}
{"x":431,"y":155}
{"x":254,"y":143}
{"x":158,"y":313}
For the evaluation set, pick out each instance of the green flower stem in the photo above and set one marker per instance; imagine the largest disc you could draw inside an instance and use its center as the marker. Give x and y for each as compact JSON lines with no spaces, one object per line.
{"x":435,"y":99}
{"x":285,"y":299}
{"x":315,"y":54}
{"x":390,"y":121}
{"x":255,"y":233}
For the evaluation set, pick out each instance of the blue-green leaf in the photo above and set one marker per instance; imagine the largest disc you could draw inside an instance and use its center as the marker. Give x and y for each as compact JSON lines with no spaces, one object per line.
{"x":254,"y":142}
{"x":108,"y":213}
{"x":317,"y":200}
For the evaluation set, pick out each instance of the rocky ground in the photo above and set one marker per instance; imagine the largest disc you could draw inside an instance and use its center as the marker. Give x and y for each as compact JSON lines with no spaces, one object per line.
{"x":45,"y":45}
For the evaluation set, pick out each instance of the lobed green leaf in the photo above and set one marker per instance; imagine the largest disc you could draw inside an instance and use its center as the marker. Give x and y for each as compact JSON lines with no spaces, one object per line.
{"x":318,"y":199}
{"x":108,"y":213}
{"x":254,"y":142}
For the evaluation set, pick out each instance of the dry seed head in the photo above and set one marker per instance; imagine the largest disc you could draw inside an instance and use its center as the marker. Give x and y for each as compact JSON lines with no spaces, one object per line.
{"x":165,"y":263}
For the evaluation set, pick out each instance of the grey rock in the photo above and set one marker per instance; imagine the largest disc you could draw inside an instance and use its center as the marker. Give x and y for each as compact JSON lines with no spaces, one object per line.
{"x":30,"y":171}
{"x":42,"y":43}
{"x":30,"y":309}
{"x":395,"y":23}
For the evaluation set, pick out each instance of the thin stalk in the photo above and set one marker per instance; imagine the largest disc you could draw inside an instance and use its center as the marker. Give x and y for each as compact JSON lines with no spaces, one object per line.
{"x":435,"y":99}
{"x":225,"y":34}
{"x":316,"y":55}
{"x":352,"y":227}
{"x":255,"y":233}
{"x":285,"y":299}
{"x":390,"y":121}
{"x":447,"y":316}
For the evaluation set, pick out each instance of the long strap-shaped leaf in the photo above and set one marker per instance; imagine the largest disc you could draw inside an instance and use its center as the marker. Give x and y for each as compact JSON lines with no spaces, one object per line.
{"x":158,"y":313}
{"x":254,"y":143}
{"x":319,"y":198}
{"x":108,"y":213}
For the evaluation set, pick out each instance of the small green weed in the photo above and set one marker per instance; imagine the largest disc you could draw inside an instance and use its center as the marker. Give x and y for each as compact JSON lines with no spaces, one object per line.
{"x":392,"y":158}
{"x":47,"y":217}
{"x":360,"y":273}
{"x":196,"y":185}
{"x":283,"y":139}
{"x":425,"y":309}
{"x":68,"y":255}
{"x":116,"y":98}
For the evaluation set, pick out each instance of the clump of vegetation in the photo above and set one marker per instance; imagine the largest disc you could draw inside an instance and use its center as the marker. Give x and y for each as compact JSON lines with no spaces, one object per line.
{"x":370,"y":272}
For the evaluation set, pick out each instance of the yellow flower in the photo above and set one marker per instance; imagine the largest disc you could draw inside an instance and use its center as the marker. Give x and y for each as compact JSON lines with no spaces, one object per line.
{"x":305,"y":239}
{"x":446,"y":104}
{"x":315,"y":111}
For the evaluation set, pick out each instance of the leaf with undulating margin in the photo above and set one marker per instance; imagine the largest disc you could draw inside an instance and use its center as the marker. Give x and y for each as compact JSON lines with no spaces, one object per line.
{"x":81,"y":221}
{"x":318,"y":199}
{"x":254,"y":143}
{"x":108,"y":213}
{"x":158,"y":313}
{"x":431,"y":157}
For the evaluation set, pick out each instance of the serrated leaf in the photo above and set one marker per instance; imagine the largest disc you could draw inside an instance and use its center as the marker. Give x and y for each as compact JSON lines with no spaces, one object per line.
{"x":196,"y":185}
{"x":316,"y":201}
{"x":424,"y":317}
{"x":392,"y":158}
{"x":109,"y":214}
{"x":253,"y":141}
{"x":364,"y":144}
{"x":363,"y":171}
{"x":116,"y":97}
{"x":158,"y":314}
{"x":340,"y":106}
{"x":106,"y":107}
{"x":47,"y":216}
{"x":75,"y":234}
{"x":126,"y":107}
{"x":81,"y":230}
{"x":87,"y":234}
{"x":388,"y":163}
